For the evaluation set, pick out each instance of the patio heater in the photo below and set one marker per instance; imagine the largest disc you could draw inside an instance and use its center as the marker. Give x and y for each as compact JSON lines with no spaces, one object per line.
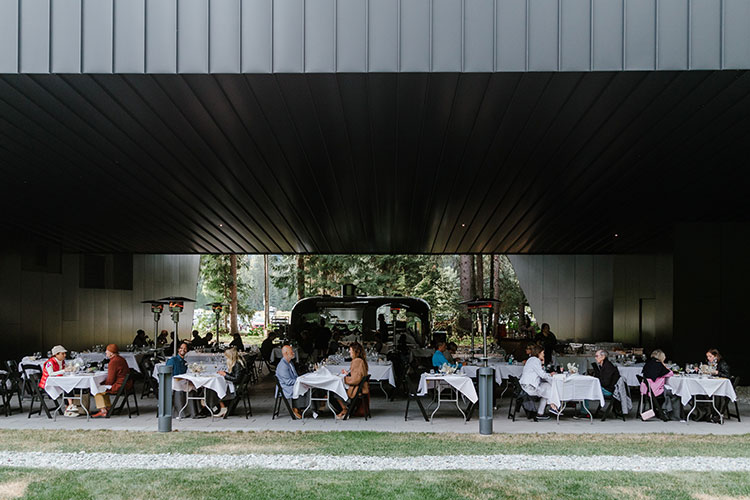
{"x":157,"y":307}
{"x":176,"y":306}
{"x":217,"y":308}
{"x":482,"y":309}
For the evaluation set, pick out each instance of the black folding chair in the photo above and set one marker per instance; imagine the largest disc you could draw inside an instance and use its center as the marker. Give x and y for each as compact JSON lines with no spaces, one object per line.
{"x":653,"y":399}
{"x":411,"y":395}
{"x":517,"y":399}
{"x":124,"y":392}
{"x":242,"y":393}
{"x":28,"y":387}
{"x":4,"y":393}
{"x":150,"y":384}
{"x":359,"y":398}
{"x":609,"y":408}
{"x":37,"y":394}
{"x":279,"y":398}
{"x":15,"y":383}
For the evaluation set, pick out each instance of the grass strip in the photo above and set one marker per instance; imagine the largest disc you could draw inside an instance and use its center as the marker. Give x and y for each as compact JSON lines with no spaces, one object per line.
{"x":187,"y":485}
{"x":374,"y":443}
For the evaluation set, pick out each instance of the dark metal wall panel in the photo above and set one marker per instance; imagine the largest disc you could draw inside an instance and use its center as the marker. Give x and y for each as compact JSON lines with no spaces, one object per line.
{"x":98,"y":36}
{"x":192,"y":39}
{"x":9,"y":36}
{"x":34,"y":34}
{"x":512,"y":44}
{"x":257,"y":36}
{"x":383,"y":35}
{"x":224,"y":30}
{"x":575,"y":35}
{"x":161,"y":36}
{"x":607,"y":34}
{"x":129,"y":36}
{"x":447,"y":36}
{"x":640,"y":37}
{"x":288,"y":36}
{"x":351,"y":36}
{"x":479,"y":33}
{"x":543,"y":35}
{"x":320,"y":35}
{"x":65,"y":33}
{"x":673,"y":18}
{"x":415,"y":35}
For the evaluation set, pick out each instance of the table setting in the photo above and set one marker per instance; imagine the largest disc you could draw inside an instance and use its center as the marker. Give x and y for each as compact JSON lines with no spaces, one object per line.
{"x":321,"y":379}
{"x":460,"y":384}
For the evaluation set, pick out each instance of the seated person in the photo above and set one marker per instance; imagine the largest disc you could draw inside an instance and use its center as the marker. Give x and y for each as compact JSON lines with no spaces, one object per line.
{"x":162,"y":338}
{"x":655,"y":374}
{"x":180,"y":367}
{"x":116,"y":373}
{"x":235,"y":369}
{"x":450,"y":353}
{"x":529,"y":347}
{"x":713,"y":356}
{"x":237,"y":342}
{"x":704,"y":410}
{"x":140,"y":340}
{"x":357,"y":371}
{"x":536,"y":382}
{"x":266,"y":347}
{"x":197,"y":341}
{"x":55,"y":367}
{"x":439,"y":359}
{"x":287,"y":375}
{"x":208,"y":339}
{"x":606,"y":372}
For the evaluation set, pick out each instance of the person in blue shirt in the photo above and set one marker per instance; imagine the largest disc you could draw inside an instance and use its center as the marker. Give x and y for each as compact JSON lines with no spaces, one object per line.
{"x":180,"y":367}
{"x":439,"y":359}
{"x":287,"y":375}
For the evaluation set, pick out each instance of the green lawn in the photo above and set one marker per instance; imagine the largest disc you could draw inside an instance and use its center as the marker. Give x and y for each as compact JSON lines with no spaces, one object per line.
{"x":258,"y":485}
{"x":374,"y":443}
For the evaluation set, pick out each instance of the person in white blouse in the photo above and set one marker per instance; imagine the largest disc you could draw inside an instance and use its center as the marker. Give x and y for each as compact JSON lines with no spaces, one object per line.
{"x":536,"y":382}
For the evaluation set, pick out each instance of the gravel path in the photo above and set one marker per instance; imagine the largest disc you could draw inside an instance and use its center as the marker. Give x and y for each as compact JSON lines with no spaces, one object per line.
{"x":80,"y":461}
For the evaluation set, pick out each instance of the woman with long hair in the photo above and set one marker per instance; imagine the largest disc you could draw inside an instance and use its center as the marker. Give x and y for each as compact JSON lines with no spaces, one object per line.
{"x":233,"y":373}
{"x":357,"y":371}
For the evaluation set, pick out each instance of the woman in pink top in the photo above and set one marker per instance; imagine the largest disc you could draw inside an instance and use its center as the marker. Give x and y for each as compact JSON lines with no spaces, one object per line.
{"x":656,"y":373}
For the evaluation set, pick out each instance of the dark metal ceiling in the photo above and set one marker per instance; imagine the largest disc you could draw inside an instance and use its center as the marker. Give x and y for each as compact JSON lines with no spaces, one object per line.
{"x":372,"y":163}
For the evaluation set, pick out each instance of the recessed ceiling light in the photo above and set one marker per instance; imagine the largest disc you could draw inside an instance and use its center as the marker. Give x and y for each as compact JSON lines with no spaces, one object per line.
{"x":616,"y":235}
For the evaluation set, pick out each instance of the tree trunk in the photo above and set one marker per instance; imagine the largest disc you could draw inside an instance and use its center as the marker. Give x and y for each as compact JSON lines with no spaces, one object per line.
{"x":266,"y":305}
{"x":233,"y":293}
{"x":465,"y":269}
{"x":480,"y":276}
{"x":300,"y":277}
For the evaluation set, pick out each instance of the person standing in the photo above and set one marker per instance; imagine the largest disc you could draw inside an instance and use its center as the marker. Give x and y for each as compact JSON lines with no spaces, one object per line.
{"x":548,"y":341}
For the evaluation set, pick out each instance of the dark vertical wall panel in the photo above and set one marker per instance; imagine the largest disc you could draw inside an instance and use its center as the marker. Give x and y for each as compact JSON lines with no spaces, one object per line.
{"x":8,"y":36}
{"x":737,"y":34}
{"x":257,"y":34}
{"x":130,"y":36}
{"x":543,"y":35}
{"x":607,"y":34}
{"x":97,"y":36}
{"x":673,"y":26}
{"x":383,"y":35}
{"x":415,"y":35}
{"x":70,"y":272}
{"x":603,"y":298}
{"x":511,"y":35}
{"x":640,"y":35}
{"x":192,"y":36}
{"x":705,"y":34}
{"x":575,"y":35}
{"x":447,"y":39}
{"x":224,"y":30}
{"x":320,"y":39}
{"x":52,"y":286}
{"x":288,"y":40}
{"x":66,"y":36}
{"x":34,"y":36}
{"x":479,"y":43}
{"x":584,"y":320}
{"x":161,"y":36}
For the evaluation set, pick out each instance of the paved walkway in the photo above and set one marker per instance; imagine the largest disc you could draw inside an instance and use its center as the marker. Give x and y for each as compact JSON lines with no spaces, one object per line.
{"x":105,"y":461}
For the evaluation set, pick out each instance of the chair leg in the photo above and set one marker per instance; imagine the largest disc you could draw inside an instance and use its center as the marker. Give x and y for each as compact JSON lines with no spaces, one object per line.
{"x":135,"y":401}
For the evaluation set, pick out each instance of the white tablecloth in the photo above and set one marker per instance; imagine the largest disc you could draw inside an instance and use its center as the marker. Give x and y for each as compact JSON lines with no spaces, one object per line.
{"x":575,"y":388}
{"x":688,"y":386}
{"x":462,"y":383}
{"x":213,"y":381}
{"x":205,"y":357}
{"x":629,"y":372}
{"x":95,"y":357}
{"x":322,"y":379}
{"x":207,"y":368}
{"x":67,"y":383}
{"x":376,"y":371}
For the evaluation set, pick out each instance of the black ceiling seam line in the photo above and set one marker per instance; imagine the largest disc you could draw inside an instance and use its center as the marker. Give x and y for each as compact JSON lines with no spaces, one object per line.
{"x":340,"y":101}
{"x":458,"y":172}
{"x":585,"y":168}
{"x":185,"y":203}
{"x":288,"y":164}
{"x":305,"y":155}
{"x":49,"y":133}
{"x":231,"y":172}
{"x":127,"y":173}
{"x":503,"y":162}
{"x":621,"y":175}
{"x":531,"y":155}
{"x":438,"y":164}
{"x":418,"y":158}
{"x":374,"y":181}
{"x":258,"y":151}
{"x":217,"y":191}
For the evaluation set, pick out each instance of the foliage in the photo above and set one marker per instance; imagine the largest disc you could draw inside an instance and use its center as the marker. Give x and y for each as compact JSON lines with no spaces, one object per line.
{"x":214,"y":284}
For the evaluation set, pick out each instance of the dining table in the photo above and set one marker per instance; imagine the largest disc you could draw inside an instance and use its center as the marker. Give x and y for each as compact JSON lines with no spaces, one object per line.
{"x":75,"y":383}
{"x":460,"y":386}
{"x":323,"y":380}
{"x":701,"y":389}
{"x":192,"y":381}
{"x":568,"y":387}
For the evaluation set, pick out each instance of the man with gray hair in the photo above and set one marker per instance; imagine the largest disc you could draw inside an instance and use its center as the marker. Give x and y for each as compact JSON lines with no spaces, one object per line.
{"x":606,"y":372}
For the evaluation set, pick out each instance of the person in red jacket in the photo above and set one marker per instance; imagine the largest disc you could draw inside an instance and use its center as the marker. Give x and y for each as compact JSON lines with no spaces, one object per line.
{"x":55,"y":367}
{"x":116,"y":373}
